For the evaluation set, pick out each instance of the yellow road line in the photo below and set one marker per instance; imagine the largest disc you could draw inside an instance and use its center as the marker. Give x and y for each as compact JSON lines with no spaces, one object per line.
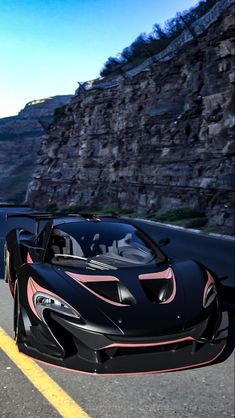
{"x":54,"y":394}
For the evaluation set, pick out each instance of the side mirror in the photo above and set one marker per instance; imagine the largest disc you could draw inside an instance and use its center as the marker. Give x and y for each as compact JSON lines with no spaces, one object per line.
{"x":164,"y":241}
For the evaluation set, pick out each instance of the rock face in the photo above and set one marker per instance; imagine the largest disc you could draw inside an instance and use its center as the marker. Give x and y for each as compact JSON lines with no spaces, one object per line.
{"x":20,"y":138}
{"x":161,"y":139}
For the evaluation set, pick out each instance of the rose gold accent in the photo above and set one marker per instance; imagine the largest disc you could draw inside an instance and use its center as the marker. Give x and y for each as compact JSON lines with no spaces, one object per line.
{"x":210,"y":281}
{"x":29,"y":259}
{"x":7,"y":260}
{"x":9,"y":277}
{"x":82,"y":278}
{"x":32,"y":288}
{"x":173,"y":292}
{"x":133,"y":373}
{"x":148,"y":344}
{"x":102,"y":297}
{"x":167,"y":275}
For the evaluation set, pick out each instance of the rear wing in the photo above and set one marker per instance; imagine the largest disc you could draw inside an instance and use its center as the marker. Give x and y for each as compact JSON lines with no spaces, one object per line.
{"x":37,"y":217}
{"x":34,"y":215}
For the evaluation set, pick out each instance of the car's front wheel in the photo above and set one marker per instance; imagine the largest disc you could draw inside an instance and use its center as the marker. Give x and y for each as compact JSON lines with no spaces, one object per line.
{"x":8,"y":271}
{"x":6,"y":263}
{"x":16,"y":312}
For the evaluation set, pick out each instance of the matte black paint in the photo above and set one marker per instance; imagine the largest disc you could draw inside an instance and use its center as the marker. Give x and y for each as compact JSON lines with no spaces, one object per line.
{"x":80,"y":344}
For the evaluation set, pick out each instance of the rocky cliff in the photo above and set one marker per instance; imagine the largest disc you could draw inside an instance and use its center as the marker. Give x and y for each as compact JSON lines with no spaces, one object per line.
{"x":20,"y":138}
{"x":160,"y":139}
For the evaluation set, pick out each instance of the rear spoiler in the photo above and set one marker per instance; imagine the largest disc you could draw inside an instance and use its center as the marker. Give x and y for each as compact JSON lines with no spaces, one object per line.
{"x":37,"y":217}
{"x":93,"y":216}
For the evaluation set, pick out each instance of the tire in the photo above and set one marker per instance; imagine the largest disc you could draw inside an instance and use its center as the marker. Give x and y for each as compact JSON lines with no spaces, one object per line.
{"x":9,"y":275}
{"x":6,"y":264}
{"x":16,"y":312}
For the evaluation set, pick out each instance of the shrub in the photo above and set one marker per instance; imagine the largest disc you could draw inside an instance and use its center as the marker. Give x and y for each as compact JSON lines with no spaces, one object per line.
{"x":192,"y":223}
{"x":145,"y":46}
{"x":179,"y":213}
{"x":52,"y":207}
{"x":59,"y":112}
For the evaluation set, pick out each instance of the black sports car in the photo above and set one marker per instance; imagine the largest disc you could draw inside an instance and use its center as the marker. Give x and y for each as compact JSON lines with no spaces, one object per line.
{"x":97,"y":295}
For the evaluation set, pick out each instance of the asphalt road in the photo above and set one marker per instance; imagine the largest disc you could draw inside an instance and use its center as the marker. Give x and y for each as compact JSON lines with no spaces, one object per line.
{"x":204,"y":392}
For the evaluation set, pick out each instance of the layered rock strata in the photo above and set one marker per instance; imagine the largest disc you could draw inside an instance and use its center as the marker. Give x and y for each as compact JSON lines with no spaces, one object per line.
{"x":161,"y":139}
{"x":20,"y":138}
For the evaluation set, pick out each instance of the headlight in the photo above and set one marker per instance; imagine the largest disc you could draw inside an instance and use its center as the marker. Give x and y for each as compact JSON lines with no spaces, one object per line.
{"x":209,"y":295}
{"x":44,"y":301}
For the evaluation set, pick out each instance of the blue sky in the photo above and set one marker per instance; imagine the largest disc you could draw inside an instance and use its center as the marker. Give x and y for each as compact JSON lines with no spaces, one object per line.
{"x":46,"y":46}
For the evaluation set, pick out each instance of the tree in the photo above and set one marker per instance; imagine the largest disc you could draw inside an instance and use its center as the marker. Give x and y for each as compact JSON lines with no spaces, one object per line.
{"x":145,"y":46}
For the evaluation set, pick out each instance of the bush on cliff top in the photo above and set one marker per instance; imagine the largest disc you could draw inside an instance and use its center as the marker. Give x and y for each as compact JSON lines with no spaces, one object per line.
{"x":59,"y":112}
{"x":147,"y":45}
{"x":185,"y":216}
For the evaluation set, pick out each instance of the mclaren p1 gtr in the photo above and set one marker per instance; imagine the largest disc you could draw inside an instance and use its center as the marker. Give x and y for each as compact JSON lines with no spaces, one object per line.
{"x":98,"y":295}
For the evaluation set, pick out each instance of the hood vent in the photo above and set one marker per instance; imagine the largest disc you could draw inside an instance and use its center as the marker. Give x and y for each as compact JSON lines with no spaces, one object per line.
{"x":108,"y":288}
{"x":114,"y":291}
{"x":158,"y":291}
{"x":159,"y":287}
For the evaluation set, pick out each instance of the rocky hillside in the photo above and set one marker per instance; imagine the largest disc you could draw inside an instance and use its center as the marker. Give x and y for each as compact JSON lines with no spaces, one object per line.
{"x":20,"y":138}
{"x":160,"y":139}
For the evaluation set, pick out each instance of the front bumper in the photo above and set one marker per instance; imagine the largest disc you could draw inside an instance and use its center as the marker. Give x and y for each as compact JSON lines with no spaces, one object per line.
{"x":83,"y":351}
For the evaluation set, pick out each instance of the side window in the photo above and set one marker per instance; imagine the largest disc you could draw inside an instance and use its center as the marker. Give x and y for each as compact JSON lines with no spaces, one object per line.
{"x":61,"y":243}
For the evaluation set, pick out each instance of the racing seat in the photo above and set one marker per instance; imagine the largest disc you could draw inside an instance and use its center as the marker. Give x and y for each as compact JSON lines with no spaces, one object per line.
{"x":97,"y":247}
{"x":65,"y":244}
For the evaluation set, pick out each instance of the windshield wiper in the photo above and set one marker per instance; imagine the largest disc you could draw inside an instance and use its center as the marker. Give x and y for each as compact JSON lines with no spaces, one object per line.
{"x":71,"y":256}
{"x":89,"y":261}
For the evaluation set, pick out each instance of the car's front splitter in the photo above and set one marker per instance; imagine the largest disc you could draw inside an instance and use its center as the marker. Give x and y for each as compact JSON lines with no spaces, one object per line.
{"x":136,"y":363}
{"x":130,"y":358}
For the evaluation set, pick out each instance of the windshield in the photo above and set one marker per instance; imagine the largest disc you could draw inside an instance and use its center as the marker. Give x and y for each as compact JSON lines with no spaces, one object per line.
{"x":101,"y":245}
